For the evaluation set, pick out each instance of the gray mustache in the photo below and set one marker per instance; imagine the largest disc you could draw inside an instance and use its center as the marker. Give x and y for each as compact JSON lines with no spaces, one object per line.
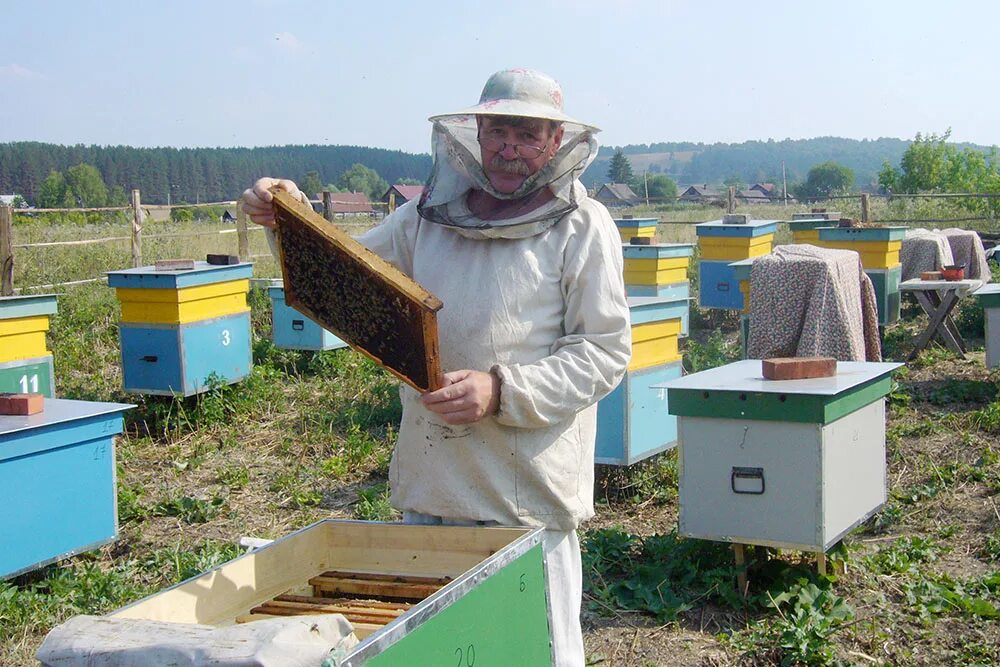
{"x":509,"y":166}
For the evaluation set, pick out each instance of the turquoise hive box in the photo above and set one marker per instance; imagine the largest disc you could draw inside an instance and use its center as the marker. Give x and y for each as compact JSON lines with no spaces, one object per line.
{"x":183,"y":329}
{"x":291,"y":330}
{"x":25,"y":360}
{"x":633,"y":422}
{"x":57,"y":482}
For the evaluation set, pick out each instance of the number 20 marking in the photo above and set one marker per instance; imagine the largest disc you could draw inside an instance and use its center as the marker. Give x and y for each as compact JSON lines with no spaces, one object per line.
{"x":469,"y":654}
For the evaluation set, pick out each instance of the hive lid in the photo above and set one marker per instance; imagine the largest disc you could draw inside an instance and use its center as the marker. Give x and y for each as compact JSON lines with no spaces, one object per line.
{"x":57,"y":411}
{"x":27,"y":306}
{"x":750,"y":228}
{"x":739,"y":391}
{"x":203,"y":273}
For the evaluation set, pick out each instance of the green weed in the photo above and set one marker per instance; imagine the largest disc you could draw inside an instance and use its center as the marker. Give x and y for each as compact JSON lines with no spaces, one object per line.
{"x":963,"y":392}
{"x":663,"y":575}
{"x":808,"y":617}
{"x":714,"y":352}
{"x":84,"y":586}
{"x":988,"y":419}
{"x":235,"y":477}
{"x":175,"y":564}
{"x":653,"y":480}
{"x":373,"y":504}
{"x":190,"y":510}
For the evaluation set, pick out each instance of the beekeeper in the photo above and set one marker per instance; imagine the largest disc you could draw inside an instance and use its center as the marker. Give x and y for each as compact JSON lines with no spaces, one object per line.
{"x":534,"y":328}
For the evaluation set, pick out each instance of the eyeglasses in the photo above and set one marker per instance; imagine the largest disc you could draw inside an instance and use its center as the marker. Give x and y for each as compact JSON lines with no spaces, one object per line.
{"x":525,"y":151}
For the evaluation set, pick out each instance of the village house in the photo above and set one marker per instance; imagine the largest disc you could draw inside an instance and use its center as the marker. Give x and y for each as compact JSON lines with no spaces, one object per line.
{"x":699,"y":194}
{"x":349,"y":203}
{"x":767,"y":189}
{"x":616,"y":195}
{"x":752,"y":197}
{"x":402,"y":194}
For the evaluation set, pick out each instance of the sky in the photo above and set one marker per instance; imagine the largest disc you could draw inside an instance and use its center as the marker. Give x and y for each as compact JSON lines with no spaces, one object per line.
{"x":264,"y":72}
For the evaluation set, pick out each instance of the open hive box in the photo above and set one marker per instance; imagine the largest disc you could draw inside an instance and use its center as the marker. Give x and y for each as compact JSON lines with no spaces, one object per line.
{"x":351,"y":291}
{"x":416,"y":595}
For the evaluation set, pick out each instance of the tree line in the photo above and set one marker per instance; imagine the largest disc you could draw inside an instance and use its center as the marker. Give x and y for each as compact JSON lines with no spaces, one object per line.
{"x":193,"y":175}
{"x":761,"y":161}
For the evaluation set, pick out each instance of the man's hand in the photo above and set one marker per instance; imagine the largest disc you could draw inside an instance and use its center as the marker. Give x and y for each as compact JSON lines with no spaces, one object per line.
{"x":256,"y":201}
{"x":467,"y":397}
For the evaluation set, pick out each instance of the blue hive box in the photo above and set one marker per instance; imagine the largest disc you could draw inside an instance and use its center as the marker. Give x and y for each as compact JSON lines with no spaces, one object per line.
{"x":291,"y":330}
{"x":633,"y":422}
{"x":183,"y":329}
{"x":57,"y":482}
{"x":718,"y":286}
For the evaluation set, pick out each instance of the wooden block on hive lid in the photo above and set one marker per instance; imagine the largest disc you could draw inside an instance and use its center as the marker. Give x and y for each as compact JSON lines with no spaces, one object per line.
{"x":363,"y":299}
{"x":21,"y":405}
{"x":174,"y":265}
{"x":930,"y":275}
{"x":222,"y":260}
{"x":798,"y":368}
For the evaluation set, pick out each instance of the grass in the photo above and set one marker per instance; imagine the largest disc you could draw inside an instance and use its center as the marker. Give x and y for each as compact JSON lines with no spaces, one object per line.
{"x":309,"y":435}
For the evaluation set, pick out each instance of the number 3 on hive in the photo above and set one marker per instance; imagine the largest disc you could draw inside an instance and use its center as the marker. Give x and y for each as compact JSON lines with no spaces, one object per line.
{"x":225,"y":337}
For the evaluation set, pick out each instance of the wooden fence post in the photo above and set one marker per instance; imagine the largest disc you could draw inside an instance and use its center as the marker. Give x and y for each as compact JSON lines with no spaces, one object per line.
{"x":6,"y":251}
{"x":866,"y":208}
{"x":242,"y":235}
{"x":136,"y":229}
{"x":327,"y":205}
{"x":392,"y":202}
{"x":731,"y":203}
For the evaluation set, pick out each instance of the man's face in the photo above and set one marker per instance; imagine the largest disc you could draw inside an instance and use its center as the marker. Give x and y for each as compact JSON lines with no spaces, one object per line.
{"x":508,"y":148}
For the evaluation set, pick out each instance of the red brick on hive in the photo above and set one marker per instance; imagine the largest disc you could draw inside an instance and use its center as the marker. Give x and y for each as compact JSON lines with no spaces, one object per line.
{"x":798,"y":368}
{"x":351,"y":291}
{"x":21,"y":405}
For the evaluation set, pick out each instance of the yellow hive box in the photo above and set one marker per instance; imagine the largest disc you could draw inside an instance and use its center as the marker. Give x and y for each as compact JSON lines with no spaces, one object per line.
{"x":734,"y":247}
{"x":656,"y":271}
{"x":874,"y":254}
{"x":642,"y":232}
{"x":810,"y":236}
{"x":745,"y":290}
{"x":655,"y":343}
{"x":183,"y":305}
{"x":23,"y":338}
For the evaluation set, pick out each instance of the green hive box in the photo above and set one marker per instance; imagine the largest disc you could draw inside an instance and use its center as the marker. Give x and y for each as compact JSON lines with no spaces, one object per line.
{"x":493,"y":609}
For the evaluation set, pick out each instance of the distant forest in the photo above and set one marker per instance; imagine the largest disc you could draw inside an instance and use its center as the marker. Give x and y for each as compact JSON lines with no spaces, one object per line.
{"x":752,"y":162}
{"x":194,"y":175}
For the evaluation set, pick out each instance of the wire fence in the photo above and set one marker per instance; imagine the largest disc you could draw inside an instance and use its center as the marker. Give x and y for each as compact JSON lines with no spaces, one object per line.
{"x":139,"y":219}
{"x":349,"y":213}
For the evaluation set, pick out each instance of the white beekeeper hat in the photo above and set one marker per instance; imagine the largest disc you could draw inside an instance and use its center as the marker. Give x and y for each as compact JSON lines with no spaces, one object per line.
{"x":520,"y":92}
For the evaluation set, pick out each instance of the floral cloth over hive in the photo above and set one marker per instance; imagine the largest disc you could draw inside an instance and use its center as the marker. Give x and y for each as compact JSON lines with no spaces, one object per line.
{"x":808,"y":302}
{"x":924,"y":250}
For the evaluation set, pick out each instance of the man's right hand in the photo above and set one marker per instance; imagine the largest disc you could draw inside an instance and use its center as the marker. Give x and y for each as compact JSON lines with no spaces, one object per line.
{"x":256,"y":201}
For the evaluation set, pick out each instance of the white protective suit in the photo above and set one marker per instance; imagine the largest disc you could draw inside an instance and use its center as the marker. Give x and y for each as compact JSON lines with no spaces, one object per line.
{"x":548,"y":313}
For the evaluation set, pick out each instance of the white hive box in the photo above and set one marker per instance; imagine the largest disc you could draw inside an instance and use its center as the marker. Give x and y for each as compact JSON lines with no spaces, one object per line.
{"x":784,"y":463}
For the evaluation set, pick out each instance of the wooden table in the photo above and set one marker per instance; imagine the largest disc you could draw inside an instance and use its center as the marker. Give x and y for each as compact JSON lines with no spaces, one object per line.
{"x":938,"y":299}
